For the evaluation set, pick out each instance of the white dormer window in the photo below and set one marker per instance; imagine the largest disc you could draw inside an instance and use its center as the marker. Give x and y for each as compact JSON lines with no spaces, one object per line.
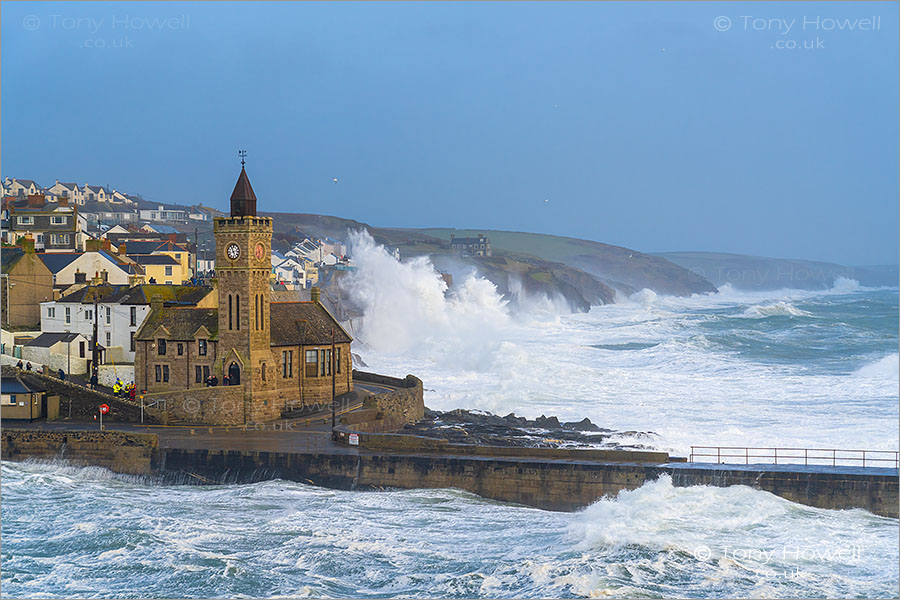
{"x":25,"y":221}
{"x":58,"y":220}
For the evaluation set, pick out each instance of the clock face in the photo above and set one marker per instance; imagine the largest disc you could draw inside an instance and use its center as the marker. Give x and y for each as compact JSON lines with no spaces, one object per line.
{"x":259,"y":251}
{"x":233,"y":251}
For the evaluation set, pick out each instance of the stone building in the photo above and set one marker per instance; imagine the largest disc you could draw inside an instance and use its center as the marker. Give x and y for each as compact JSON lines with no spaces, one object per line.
{"x":278,"y":354}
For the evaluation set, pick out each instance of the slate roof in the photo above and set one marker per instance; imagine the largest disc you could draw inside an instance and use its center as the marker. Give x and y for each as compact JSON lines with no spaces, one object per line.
{"x":243,"y":198}
{"x":181,"y":323}
{"x":169,"y":294}
{"x":57,"y":261}
{"x":303,"y":324}
{"x":46,"y":340}
{"x":86,"y":294}
{"x":153,"y":259}
{"x":15,"y":385}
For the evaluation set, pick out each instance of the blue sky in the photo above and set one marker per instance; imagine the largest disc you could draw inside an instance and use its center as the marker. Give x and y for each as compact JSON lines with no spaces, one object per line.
{"x":655,"y":126}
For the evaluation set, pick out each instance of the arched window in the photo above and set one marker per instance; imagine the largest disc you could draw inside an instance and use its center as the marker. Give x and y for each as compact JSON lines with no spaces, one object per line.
{"x":256,"y":310}
{"x":237,"y":311}
{"x":229,"y":312}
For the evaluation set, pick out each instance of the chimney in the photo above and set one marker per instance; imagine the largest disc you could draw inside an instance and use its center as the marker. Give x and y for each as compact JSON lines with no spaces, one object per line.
{"x":35,"y":201}
{"x":96,"y":279}
{"x":80,"y":277}
{"x":63,"y":201}
{"x":104,"y":276}
{"x":156,"y":302}
{"x":122,"y":248}
{"x":314,"y":295}
{"x":26,"y":243}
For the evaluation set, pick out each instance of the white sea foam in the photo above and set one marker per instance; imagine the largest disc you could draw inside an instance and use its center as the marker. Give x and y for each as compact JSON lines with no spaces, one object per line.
{"x":883,"y":368}
{"x":694,"y":380}
{"x":776,"y":309}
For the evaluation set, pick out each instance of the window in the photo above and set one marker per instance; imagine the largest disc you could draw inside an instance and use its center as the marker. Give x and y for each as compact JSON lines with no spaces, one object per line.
{"x":165,"y":372}
{"x":161,"y":347}
{"x":262,"y":371}
{"x":80,"y":349}
{"x":328,"y":362}
{"x":256,"y":312}
{"x":40,"y":238}
{"x":229,"y":312}
{"x":158,"y":373}
{"x":312,"y":359}
{"x":205,"y":372}
{"x":25,"y":221}
{"x":108,"y":314}
{"x":180,"y":349}
{"x":321,"y":363}
{"x":108,"y":339}
{"x":59,"y":239}
{"x":9,"y":400}
{"x":237,"y":311}
{"x":287,"y":363}
{"x":89,"y":314}
{"x":51,"y":311}
{"x":58,"y":220}
{"x":178,"y":257}
{"x":337,"y":360}
{"x":201,"y":347}
{"x":198,"y":374}
{"x":68,"y":315}
{"x":168,"y":270}
{"x":131,"y":342}
{"x":133,"y":316}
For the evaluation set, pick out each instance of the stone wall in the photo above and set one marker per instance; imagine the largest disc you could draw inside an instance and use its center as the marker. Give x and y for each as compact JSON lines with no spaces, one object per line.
{"x":388,"y":411}
{"x":82,"y":403}
{"x":131,"y":453}
{"x":550,"y":484}
{"x":219,"y":405}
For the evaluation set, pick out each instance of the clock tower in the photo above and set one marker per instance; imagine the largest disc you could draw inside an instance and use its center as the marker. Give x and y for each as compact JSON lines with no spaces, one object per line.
{"x":243,"y":265}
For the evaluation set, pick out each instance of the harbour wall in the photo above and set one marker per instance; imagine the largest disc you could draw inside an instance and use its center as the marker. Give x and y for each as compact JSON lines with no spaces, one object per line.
{"x":509,"y":475}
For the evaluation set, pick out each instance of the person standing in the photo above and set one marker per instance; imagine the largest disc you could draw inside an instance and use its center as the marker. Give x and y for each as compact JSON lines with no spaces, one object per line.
{"x":94,"y":380}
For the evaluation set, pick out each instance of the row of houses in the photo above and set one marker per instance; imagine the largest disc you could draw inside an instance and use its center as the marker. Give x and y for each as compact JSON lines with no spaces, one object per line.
{"x":74,"y":193}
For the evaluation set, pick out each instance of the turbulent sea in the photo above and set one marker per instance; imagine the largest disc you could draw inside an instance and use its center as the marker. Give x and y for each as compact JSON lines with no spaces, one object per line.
{"x":787,"y":369}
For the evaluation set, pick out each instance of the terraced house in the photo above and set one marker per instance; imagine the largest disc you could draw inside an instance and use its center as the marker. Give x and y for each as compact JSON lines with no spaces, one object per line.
{"x":275,"y":355}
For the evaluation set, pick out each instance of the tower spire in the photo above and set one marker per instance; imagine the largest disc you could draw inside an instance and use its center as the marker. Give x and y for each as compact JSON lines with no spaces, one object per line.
{"x":243,"y":198}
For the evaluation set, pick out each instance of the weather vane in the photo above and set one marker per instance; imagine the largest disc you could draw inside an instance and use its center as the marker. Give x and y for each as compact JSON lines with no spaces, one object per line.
{"x":242,"y":154}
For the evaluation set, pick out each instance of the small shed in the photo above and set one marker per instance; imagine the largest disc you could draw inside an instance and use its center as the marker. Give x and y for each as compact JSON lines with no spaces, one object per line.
{"x":25,"y":401}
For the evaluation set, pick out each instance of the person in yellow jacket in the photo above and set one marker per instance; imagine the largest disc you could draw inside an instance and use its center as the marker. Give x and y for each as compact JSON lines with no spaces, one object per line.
{"x":117,"y":387}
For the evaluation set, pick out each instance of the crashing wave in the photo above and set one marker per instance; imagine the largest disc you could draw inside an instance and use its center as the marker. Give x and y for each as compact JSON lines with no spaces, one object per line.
{"x":777,"y":309}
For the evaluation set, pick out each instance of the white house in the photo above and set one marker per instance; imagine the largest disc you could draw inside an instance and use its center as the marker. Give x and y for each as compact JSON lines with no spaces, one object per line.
{"x":70,"y":352}
{"x":121,"y":311}
{"x":95,"y":193}
{"x":64,"y":266}
{"x":290,"y":271}
{"x":163,"y":214}
{"x":68,"y":190}
{"x":21,"y":187}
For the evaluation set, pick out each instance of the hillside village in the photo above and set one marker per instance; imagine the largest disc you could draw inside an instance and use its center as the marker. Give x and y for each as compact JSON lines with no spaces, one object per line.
{"x":83,"y":264}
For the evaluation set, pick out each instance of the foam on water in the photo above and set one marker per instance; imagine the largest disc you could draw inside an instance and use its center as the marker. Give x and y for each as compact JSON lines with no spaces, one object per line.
{"x":279,"y":538}
{"x":765,"y":368}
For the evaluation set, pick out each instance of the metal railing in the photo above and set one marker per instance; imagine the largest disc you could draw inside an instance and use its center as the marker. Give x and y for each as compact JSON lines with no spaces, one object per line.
{"x":805,"y":456}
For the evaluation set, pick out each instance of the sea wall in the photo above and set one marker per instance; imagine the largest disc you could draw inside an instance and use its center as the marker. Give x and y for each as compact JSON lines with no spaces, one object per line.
{"x":876,"y":490}
{"x":131,"y":453}
{"x":390,"y":410}
{"x":552,"y":482}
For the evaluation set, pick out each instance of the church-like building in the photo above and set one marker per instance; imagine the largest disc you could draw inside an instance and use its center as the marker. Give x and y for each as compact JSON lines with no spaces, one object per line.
{"x":279,"y":354}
